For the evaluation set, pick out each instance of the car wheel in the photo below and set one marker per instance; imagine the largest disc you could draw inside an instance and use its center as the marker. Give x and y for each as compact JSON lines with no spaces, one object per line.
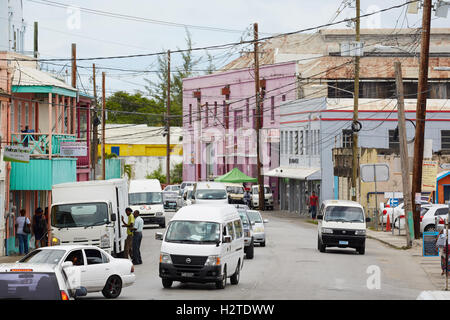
{"x":362,"y":250}
{"x":162,"y":225}
{"x":320,"y":246}
{"x":250,"y":251}
{"x":430,"y":228}
{"x":167,"y":283}
{"x":113,"y":287}
{"x":263,"y":244}
{"x":222,"y":283}
{"x":234,"y":279}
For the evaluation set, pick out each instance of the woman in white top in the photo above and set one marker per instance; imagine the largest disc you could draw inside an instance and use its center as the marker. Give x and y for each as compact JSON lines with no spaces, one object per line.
{"x":21,"y":234}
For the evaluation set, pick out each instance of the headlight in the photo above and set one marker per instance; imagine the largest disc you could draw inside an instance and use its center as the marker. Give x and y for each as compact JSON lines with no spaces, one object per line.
{"x":212,"y":261}
{"x":159,"y":214}
{"x":327,"y":230}
{"x":165,"y":258}
{"x":360,"y":232}
{"x":55,"y":241}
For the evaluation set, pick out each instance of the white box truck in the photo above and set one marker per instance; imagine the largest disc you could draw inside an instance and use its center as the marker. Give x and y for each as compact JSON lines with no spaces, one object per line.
{"x":145,"y":195}
{"x":89,"y":213}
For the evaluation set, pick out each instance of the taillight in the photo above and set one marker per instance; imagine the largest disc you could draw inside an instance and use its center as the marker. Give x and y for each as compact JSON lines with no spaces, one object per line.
{"x":421,"y":218}
{"x":384,"y":212}
{"x":387,"y":206}
{"x":441,"y":221}
{"x":402,"y":216}
{"x":64,"y":295}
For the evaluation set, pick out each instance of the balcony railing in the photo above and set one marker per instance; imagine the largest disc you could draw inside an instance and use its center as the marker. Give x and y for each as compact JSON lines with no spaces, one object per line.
{"x":39,"y":143}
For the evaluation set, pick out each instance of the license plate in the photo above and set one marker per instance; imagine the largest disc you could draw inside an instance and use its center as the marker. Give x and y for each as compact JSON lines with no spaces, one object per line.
{"x":343,"y":242}
{"x":187,"y":274}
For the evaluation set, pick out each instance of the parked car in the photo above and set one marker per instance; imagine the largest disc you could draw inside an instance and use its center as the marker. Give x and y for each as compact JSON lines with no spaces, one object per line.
{"x":172,"y":188}
{"x":249,"y":245}
{"x":36,"y":281}
{"x":235,"y":192}
{"x":399,"y":214}
{"x":210,"y":193}
{"x":259,"y":233}
{"x":146,"y":196}
{"x":98,"y":270}
{"x":428,"y":217}
{"x":186,"y":199}
{"x":342,"y":224}
{"x":268,"y":197}
{"x":170,"y":200}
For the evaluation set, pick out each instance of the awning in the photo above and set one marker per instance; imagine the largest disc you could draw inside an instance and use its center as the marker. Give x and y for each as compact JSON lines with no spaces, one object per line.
{"x":301,"y":173}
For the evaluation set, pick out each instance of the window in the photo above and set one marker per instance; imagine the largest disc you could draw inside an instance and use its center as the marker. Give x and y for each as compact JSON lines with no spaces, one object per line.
{"x":190,"y":114}
{"x":394,"y":144}
{"x":238,"y":120}
{"x":441,"y":212}
{"x":281,"y":142}
{"x":290,"y":142}
{"x":215,"y":109}
{"x":13,"y":120}
{"x":225,"y":116}
{"x":238,"y":228}
{"x":19,"y":117}
{"x":295,"y":142}
{"x":283,"y":97}
{"x":76,"y":257}
{"x":307,"y":142}
{"x":230,"y":230}
{"x":93,"y":256}
{"x":347,"y":138}
{"x":27,"y":115}
{"x":206,"y":113}
{"x":247,"y":109}
{"x":115,"y":150}
{"x":445,"y":140}
{"x":272,"y":108}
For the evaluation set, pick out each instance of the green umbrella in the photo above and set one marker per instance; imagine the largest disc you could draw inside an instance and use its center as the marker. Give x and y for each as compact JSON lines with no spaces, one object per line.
{"x":235,"y":176}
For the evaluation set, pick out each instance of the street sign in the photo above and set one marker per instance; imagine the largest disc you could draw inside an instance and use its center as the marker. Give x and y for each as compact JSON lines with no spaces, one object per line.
{"x":375,"y":172}
{"x":445,"y":166}
{"x":16,"y":154}
{"x":429,"y":173}
{"x":393,"y":202}
{"x":352,"y":49}
{"x":429,"y":244}
{"x":73,"y":149}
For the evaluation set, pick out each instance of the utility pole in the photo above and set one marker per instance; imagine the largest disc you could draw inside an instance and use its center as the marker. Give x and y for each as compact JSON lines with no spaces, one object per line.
{"x":261,"y":199}
{"x":421,"y":111}
{"x":103,"y":127}
{"x":403,"y":149}
{"x":94,"y":127}
{"x":36,"y":40}
{"x":74,"y":65}
{"x":355,"y":164}
{"x":168,"y":121}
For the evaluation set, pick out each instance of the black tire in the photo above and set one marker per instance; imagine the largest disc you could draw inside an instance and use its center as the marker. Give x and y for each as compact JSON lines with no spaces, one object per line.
{"x":234,"y":279}
{"x":430,"y":228}
{"x":362,"y":250}
{"x":250,"y":251}
{"x":112,"y":288}
{"x":167,"y":283}
{"x":320,"y":246}
{"x":222,"y":283}
{"x":162,"y":225}
{"x":263,"y":244}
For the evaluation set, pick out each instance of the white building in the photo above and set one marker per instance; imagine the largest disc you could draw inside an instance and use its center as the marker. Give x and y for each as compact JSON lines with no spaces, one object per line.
{"x":12,"y":26}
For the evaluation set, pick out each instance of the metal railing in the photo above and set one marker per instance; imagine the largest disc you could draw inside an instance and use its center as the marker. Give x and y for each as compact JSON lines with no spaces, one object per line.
{"x":39,"y":143}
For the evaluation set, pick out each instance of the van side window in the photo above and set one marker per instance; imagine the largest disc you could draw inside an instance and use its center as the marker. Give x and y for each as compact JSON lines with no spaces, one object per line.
{"x":230,"y":230}
{"x":238,"y":228}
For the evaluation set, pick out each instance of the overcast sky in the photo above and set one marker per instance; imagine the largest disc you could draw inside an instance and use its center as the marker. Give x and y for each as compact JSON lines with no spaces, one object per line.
{"x":97,"y":35}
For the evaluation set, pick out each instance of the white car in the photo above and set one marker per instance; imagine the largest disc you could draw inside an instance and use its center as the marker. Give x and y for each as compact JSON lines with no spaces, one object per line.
{"x":172,"y":188}
{"x":97,"y":270}
{"x":36,"y":281}
{"x":399,"y":214}
{"x":259,"y":233}
{"x":428,"y":217}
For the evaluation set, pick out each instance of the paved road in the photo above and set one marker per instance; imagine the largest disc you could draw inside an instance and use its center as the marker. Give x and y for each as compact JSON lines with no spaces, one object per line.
{"x":291,"y":267}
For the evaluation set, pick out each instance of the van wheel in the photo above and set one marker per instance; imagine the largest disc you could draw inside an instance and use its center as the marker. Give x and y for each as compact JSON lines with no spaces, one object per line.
{"x":362,"y":250}
{"x":113,"y":287}
{"x":250,"y":251}
{"x":320,"y":246}
{"x":162,"y":225}
{"x":263,"y":244}
{"x":167,"y":283}
{"x":222,"y":283}
{"x":234,"y":279}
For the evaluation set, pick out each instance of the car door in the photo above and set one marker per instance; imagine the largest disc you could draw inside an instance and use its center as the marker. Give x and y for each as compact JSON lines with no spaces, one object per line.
{"x":77,"y":273}
{"x":98,"y":269}
{"x":231,"y":250}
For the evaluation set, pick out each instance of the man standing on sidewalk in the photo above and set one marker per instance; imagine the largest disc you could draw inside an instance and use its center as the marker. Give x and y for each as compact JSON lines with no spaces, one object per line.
{"x":129,"y":225}
{"x":313,"y":203}
{"x":137,"y":237}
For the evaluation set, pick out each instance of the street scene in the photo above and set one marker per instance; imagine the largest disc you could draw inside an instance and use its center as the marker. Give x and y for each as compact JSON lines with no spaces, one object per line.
{"x":236,"y":153}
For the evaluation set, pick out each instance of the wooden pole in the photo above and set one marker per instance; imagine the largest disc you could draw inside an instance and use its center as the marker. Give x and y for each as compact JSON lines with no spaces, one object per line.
{"x":168,"y":121}
{"x":403,"y":150}
{"x":421,"y":112}
{"x":94,"y":129}
{"x":74,"y":65}
{"x":36,"y":40}
{"x":103,"y":127}
{"x":355,"y":164}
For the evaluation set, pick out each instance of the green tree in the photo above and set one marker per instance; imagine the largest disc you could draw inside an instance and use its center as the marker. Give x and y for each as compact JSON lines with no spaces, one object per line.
{"x":176,"y":174}
{"x":157,"y":174}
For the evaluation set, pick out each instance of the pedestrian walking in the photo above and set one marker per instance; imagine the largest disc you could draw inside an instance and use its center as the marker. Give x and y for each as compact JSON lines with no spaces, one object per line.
{"x":247,"y":198}
{"x":440,"y":243}
{"x":129,"y":226}
{"x":39,"y":227}
{"x":23,"y":229}
{"x":137,"y":237}
{"x":313,"y":202}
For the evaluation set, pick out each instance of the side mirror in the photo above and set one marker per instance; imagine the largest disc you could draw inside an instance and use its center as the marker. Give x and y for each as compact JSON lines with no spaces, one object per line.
{"x":368,"y":219}
{"x":227,"y":239}
{"x":253,"y":223}
{"x":67,"y":264}
{"x":266,"y":221}
{"x":158,"y":236}
{"x":113,"y":217}
{"x":319,"y":217}
{"x":80,"y":292}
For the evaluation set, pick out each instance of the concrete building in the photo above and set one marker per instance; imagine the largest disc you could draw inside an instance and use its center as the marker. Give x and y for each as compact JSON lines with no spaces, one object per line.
{"x":143,"y":147}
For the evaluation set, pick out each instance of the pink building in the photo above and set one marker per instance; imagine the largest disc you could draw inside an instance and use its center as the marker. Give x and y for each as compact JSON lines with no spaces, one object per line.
{"x":224,"y":104}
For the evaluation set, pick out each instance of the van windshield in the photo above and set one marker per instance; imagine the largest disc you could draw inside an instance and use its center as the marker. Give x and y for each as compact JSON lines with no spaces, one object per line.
{"x":344,"y":214}
{"x":254,"y":216}
{"x":139,"y":198}
{"x":79,"y":215}
{"x":235,"y":190}
{"x":211,"y":194}
{"x":193,"y":232}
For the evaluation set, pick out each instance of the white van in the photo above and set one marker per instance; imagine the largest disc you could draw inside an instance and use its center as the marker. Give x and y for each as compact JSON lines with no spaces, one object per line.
{"x":235,"y":192}
{"x":146,"y":196}
{"x":341,"y":224}
{"x":210,"y":192}
{"x":203,"y":244}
